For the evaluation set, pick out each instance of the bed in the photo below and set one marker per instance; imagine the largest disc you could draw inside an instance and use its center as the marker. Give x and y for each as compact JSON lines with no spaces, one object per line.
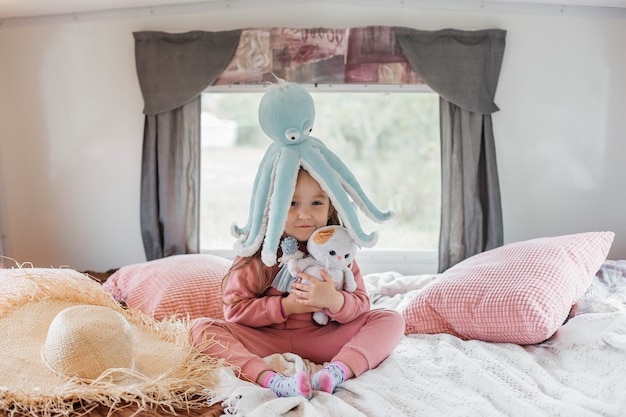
{"x":578,"y":370}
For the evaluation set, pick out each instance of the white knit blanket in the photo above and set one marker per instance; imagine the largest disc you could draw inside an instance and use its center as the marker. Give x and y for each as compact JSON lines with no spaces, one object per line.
{"x":579,"y":372}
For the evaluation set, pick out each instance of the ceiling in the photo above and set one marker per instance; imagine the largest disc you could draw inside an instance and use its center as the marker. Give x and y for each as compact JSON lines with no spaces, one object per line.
{"x":32,"y":8}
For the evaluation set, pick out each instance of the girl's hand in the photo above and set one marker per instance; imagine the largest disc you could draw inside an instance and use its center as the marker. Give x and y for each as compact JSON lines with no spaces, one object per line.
{"x":321,"y":294}
{"x":292,"y":306}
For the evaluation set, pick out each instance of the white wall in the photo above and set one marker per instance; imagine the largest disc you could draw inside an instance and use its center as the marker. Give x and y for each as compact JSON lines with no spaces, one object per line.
{"x":71,"y":123}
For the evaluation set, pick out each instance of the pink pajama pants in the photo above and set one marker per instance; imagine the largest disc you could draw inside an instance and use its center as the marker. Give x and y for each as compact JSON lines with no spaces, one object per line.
{"x":362,"y":344}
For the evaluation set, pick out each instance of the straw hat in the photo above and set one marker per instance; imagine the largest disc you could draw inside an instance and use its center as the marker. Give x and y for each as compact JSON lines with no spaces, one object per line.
{"x":65,"y":341}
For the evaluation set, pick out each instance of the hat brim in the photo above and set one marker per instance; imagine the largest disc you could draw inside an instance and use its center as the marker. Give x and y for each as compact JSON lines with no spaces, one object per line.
{"x":169,"y":373}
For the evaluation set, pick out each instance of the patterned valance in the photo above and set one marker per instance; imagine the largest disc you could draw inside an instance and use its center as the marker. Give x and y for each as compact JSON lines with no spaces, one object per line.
{"x":325,"y":56}
{"x":461,"y":66}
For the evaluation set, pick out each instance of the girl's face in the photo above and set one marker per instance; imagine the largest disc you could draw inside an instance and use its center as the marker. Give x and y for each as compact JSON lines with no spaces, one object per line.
{"x":310,"y":208}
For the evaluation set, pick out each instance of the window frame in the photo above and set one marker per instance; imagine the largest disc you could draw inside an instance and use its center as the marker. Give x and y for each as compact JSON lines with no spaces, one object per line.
{"x":371,"y":260}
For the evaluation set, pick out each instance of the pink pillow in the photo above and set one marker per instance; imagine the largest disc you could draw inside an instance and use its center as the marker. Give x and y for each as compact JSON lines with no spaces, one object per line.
{"x":181,"y":285}
{"x":518,"y":293}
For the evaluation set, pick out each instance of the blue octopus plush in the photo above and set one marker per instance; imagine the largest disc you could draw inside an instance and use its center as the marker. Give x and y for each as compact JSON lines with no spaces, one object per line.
{"x":286,"y":115}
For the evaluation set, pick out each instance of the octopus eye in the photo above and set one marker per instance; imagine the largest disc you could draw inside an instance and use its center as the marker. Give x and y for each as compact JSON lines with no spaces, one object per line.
{"x":332,"y":253}
{"x":292,"y":134}
{"x":310,"y":129}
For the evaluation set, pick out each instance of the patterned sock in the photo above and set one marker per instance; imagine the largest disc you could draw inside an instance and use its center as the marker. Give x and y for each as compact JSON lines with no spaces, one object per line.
{"x":329,"y":377}
{"x":297,"y":385}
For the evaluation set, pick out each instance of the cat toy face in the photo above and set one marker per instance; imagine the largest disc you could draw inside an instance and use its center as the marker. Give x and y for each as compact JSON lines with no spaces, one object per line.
{"x":333,"y":247}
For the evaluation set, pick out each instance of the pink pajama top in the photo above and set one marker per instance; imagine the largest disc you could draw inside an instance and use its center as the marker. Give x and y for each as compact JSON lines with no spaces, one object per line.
{"x":255,"y":311}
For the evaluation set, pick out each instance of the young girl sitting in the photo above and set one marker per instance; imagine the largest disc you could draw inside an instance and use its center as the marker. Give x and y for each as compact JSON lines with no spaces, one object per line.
{"x":261,"y":320}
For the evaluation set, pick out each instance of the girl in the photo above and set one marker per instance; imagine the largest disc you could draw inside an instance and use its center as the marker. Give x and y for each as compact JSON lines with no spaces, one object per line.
{"x":260,"y":320}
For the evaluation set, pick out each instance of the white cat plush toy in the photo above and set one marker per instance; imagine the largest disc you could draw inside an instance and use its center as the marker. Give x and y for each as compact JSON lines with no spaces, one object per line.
{"x":332,"y":249}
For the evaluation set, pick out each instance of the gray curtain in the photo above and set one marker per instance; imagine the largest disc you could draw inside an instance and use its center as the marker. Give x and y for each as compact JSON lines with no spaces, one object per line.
{"x":463,"y":67}
{"x":170,"y":181}
{"x":173,"y":70}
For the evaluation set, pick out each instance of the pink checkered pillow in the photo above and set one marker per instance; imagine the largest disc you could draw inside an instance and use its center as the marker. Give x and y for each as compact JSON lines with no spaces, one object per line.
{"x":181,"y":285}
{"x":518,"y":293}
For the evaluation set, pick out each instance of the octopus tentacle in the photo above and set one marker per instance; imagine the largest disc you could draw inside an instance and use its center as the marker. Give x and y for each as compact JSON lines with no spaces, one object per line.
{"x":320,"y":169}
{"x":351,"y":185}
{"x":284,"y":181}
{"x":261,"y":185}
{"x":251,"y":235}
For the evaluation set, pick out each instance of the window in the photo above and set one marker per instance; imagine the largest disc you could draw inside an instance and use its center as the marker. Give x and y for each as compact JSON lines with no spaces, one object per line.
{"x":388,"y":139}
